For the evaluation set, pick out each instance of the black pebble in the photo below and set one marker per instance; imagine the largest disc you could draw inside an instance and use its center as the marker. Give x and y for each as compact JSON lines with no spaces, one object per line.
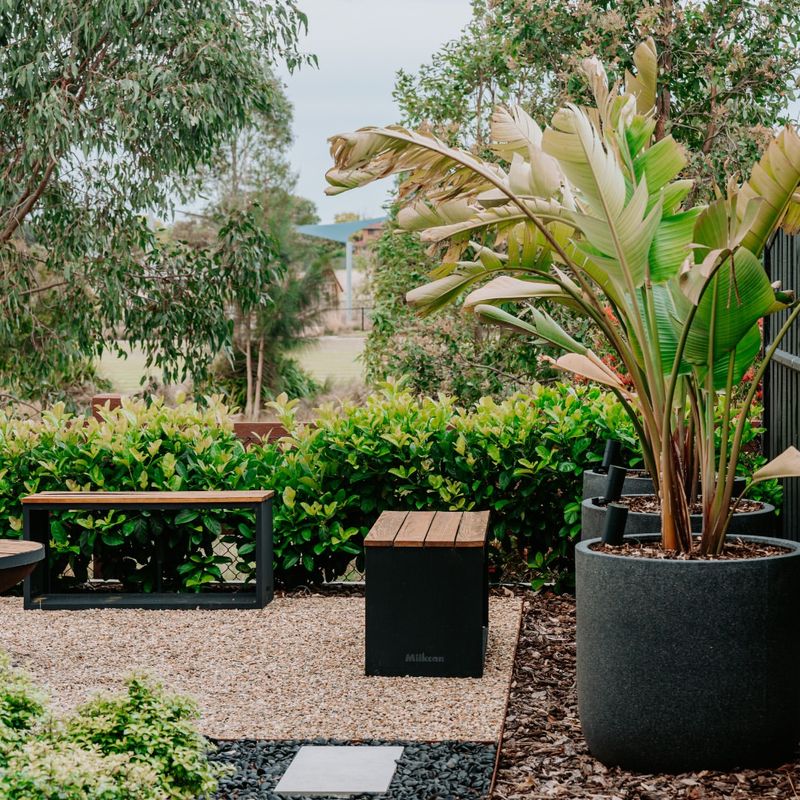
{"x":435,"y":771}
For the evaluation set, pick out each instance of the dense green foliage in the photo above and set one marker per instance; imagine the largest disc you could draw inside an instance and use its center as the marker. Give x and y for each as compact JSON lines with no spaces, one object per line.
{"x":140,"y":745}
{"x":135,"y":448}
{"x":251,"y":170}
{"x":256,"y":364}
{"x":737,"y":61}
{"x":522,"y":458}
{"x":448,"y":353}
{"x":107,"y":110}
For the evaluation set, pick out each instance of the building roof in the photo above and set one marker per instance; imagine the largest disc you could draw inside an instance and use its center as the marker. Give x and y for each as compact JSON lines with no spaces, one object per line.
{"x":339,"y":231}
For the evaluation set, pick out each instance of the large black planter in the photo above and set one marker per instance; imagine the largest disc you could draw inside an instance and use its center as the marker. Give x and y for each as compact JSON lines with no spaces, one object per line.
{"x":594,"y":484}
{"x":755,"y":523}
{"x":686,"y":665}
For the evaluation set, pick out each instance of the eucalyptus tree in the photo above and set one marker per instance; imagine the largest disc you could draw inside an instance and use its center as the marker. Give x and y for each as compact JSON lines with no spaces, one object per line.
{"x":593,"y":214}
{"x":106,"y":109}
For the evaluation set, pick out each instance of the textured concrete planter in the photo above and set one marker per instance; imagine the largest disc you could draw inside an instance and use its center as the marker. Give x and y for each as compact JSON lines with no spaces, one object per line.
{"x":686,"y":665}
{"x":753,"y":523}
{"x":594,"y":484}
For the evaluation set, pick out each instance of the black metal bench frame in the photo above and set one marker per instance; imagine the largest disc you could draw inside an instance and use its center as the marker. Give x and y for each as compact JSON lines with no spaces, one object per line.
{"x":38,"y":592}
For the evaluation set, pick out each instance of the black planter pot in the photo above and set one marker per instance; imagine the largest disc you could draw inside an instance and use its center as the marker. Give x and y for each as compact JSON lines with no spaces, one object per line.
{"x":754,"y":523}
{"x":594,"y":484}
{"x":687,"y":665}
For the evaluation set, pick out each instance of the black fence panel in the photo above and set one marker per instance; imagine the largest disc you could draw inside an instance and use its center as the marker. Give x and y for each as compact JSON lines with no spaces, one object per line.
{"x":782,"y":381}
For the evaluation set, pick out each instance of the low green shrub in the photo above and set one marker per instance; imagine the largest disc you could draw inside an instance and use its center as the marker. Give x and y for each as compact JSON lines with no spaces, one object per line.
{"x":137,"y":447}
{"x":50,"y":769}
{"x":21,"y":707}
{"x":140,"y":745}
{"x":521,"y":458}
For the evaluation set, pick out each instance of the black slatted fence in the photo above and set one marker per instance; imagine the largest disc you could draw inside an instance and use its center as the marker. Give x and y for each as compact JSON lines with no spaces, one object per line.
{"x":782,"y":383}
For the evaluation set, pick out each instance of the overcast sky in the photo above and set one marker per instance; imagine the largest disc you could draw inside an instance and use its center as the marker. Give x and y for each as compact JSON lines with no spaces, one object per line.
{"x":360,"y":45}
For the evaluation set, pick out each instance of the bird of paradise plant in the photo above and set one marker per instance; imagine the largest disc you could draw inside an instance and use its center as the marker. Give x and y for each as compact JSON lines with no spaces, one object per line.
{"x":591,"y":213}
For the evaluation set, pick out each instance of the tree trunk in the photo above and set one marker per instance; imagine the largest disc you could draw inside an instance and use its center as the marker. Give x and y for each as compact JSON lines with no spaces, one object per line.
{"x":259,"y":379}
{"x":248,"y":360}
{"x":663,"y":100}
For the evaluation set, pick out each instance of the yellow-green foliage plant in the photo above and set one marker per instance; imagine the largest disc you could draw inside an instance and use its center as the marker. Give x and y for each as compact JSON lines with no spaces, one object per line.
{"x":140,"y":744}
{"x":591,"y":213}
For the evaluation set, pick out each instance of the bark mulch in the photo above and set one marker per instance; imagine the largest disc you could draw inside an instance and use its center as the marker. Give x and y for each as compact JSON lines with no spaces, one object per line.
{"x":543,"y":753}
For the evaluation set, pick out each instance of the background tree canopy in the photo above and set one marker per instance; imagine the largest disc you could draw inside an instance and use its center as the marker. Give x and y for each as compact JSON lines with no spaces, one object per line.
{"x":106,"y":111}
{"x":732,"y":68}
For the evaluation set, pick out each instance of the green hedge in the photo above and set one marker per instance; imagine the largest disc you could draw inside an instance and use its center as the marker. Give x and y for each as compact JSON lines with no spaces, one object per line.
{"x":136,"y":447}
{"x":522,"y":458}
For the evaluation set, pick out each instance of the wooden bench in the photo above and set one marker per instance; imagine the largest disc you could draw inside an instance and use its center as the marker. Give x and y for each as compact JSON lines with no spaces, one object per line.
{"x":36,"y":526}
{"x":427,"y":594}
{"x":17,"y":560}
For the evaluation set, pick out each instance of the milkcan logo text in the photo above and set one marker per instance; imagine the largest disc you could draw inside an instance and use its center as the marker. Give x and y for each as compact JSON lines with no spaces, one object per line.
{"x":422,"y":658}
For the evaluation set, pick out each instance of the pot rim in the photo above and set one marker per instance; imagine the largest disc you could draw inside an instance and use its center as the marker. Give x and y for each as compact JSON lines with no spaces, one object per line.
{"x":765,"y":507}
{"x":792,"y":549}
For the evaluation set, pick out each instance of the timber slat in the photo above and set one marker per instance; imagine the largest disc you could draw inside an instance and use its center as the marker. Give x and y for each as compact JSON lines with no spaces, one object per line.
{"x":429,"y":529}
{"x":414,"y":529}
{"x":385,"y":529}
{"x":75,"y":499}
{"x":443,"y":530}
{"x":473,"y":529}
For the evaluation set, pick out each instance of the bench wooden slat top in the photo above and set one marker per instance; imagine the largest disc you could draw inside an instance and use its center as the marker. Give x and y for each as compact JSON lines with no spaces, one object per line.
{"x":429,"y":529}
{"x":385,"y":528}
{"x":414,"y":529}
{"x":444,"y":528}
{"x":13,"y":547}
{"x":473,"y":528}
{"x":209,"y":498}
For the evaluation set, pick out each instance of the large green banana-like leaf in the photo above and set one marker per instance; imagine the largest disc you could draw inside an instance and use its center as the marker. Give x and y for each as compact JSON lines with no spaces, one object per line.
{"x":786,"y":465}
{"x":667,"y":317}
{"x":671,"y":245}
{"x":674,"y":194}
{"x":497,"y":219}
{"x":644,"y":83}
{"x":541,"y":325}
{"x":439,"y":293}
{"x":745,"y":353}
{"x":589,"y":165}
{"x":659,"y":164}
{"x":738,"y":295}
{"x":514,"y":131}
{"x":625,"y":239}
{"x":588,"y":365}
{"x":504,"y":289}
{"x":420,"y":215}
{"x":775,"y":178}
{"x":518,"y":139}
{"x":434,"y":169}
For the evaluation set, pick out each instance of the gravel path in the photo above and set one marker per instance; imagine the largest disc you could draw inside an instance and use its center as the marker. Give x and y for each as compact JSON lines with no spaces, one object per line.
{"x":544,"y":754}
{"x":292,"y":670}
{"x":437,"y":771}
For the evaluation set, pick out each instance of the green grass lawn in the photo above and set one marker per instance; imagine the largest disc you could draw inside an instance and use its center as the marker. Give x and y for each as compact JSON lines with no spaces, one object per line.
{"x":329,"y":357}
{"x":334,"y":357}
